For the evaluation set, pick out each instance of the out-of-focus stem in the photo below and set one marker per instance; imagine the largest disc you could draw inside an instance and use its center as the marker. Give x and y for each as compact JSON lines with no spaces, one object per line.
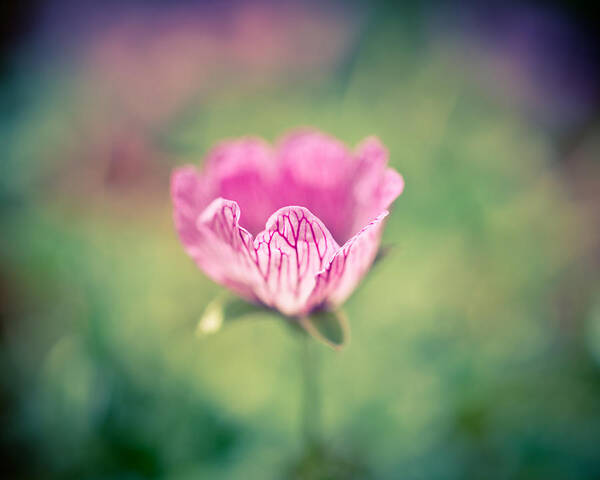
{"x":311,"y":402}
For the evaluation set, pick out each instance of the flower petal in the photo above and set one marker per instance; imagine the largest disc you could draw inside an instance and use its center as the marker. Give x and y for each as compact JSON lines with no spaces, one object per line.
{"x":213,"y":236}
{"x":190,"y":194}
{"x":340,"y":277}
{"x":317,"y":172}
{"x":244,"y":170}
{"x":225,"y":251}
{"x":292,"y":249}
{"x":316,"y":159}
{"x":376,"y":186}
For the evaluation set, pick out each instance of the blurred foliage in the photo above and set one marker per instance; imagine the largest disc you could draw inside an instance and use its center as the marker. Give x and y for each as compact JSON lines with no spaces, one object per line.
{"x":475,"y":344}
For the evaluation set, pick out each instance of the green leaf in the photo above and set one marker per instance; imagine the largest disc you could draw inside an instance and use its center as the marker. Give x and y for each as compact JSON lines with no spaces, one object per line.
{"x":328,"y":327}
{"x":221,"y":311}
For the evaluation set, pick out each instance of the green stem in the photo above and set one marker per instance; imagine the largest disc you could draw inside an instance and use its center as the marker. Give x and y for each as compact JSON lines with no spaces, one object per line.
{"x":311,"y":405}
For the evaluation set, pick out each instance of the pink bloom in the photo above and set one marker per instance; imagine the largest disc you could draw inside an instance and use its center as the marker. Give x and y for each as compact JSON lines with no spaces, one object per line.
{"x":322,"y":195}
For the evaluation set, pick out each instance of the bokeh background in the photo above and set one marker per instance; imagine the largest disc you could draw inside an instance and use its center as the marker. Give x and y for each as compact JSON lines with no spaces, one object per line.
{"x":475,"y":346}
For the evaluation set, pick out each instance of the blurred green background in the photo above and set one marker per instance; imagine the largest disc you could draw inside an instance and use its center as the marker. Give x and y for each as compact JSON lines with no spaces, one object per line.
{"x":475,"y":347}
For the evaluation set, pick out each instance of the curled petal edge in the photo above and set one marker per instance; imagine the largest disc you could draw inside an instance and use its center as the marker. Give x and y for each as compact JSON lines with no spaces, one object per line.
{"x":336,"y":282}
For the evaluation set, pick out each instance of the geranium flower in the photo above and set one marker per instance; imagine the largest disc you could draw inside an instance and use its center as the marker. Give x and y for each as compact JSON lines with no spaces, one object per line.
{"x":312,"y":193}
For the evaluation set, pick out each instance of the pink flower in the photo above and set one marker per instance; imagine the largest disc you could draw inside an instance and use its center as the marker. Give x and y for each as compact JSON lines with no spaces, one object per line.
{"x":322,"y":196}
